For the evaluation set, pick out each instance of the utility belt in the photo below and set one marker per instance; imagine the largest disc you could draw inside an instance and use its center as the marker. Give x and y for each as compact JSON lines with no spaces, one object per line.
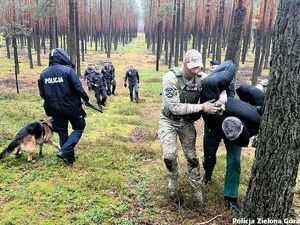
{"x":170,"y":115}
{"x":188,"y":118}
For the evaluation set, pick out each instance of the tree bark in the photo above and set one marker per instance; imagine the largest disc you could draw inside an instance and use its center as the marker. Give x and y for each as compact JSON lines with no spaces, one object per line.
{"x":234,"y":43}
{"x":7,"y":47}
{"x":182,"y":33}
{"x":29,"y":54}
{"x":247,"y":39}
{"x":258,"y":44}
{"x":274,"y":172}
{"x":220,"y":31}
{"x":37,"y":42}
{"x":159,"y":33}
{"x":172,"y":36}
{"x":110,"y":30}
{"x":206,"y":33}
{"x":178,"y":32}
{"x":77,"y":33}
{"x":14,"y":44}
{"x":72,"y":35}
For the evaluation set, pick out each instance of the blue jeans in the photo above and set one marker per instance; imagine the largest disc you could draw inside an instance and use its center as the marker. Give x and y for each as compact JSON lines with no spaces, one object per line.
{"x":134,"y":87}
{"x":60,"y":125}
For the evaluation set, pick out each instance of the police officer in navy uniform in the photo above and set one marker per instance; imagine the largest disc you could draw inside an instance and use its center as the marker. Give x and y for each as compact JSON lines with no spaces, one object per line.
{"x":99,"y":85}
{"x":132,"y":75}
{"x":113,"y":81}
{"x":87,"y":75}
{"x":108,"y":73}
{"x":62,"y":92}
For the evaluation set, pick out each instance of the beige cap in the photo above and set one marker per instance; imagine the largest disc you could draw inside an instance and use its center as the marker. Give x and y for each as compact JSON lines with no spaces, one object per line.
{"x":193,"y":59}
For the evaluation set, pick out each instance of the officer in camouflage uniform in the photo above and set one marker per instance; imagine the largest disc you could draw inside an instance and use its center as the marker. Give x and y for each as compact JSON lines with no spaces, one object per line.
{"x":181,"y":95}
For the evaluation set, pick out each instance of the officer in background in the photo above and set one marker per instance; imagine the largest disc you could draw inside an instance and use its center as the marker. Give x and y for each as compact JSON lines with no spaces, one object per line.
{"x":87,"y":75}
{"x":108,"y":73}
{"x":99,"y":85}
{"x":113,"y":82}
{"x":62,"y":92}
{"x":133,"y":82}
{"x":181,"y":107}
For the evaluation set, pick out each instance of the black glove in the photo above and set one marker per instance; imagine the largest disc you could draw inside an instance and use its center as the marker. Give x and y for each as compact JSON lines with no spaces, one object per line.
{"x":125,"y":85}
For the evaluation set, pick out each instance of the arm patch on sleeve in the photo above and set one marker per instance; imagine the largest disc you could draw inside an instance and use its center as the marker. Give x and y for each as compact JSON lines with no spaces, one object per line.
{"x":170,"y":92}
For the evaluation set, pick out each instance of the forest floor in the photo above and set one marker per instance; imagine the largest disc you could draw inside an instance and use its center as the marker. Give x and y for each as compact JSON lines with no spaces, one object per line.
{"x":119,"y":177}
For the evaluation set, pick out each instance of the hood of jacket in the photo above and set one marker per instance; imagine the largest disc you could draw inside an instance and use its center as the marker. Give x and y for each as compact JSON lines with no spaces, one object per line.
{"x":58,"y":56}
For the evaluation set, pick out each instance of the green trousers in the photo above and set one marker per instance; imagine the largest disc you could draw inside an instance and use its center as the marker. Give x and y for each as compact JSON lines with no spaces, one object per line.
{"x":233,"y":169}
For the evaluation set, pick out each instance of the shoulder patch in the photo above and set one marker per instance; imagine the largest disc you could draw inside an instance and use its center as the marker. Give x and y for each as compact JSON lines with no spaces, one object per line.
{"x":170,"y":92}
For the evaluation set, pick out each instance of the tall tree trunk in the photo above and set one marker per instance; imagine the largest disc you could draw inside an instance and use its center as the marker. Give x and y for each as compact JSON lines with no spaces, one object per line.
{"x":178,"y":32}
{"x":110,"y":29}
{"x":44,"y":43}
{"x":37,"y":42}
{"x":268,"y":42}
{"x":14,"y":44}
{"x":206,"y":33}
{"x":172,"y":36}
{"x":166,"y":46}
{"x":7,"y":42}
{"x":29,"y":54}
{"x":77,"y":32}
{"x":82,"y":47}
{"x":159,"y":42}
{"x":234,"y":43}
{"x":272,"y":184}
{"x":258,"y":44}
{"x":182,"y":33}
{"x":220,"y":31}
{"x":268,"y":49}
{"x":247,"y":39}
{"x":72,"y":35}
{"x":64,"y":39}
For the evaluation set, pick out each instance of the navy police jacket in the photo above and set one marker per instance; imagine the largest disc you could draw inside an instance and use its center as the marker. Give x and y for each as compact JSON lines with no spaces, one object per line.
{"x":133,"y":76}
{"x":60,"y":87}
{"x":98,"y":81}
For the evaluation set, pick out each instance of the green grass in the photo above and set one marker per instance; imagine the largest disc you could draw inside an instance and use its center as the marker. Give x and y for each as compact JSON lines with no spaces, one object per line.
{"x":119,"y":177}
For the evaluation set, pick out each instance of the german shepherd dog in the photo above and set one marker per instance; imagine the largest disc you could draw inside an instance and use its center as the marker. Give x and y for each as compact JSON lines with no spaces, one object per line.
{"x":30,"y":135}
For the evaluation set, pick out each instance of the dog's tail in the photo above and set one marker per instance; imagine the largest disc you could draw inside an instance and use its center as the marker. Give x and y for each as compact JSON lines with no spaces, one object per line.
{"x":9,"y":148}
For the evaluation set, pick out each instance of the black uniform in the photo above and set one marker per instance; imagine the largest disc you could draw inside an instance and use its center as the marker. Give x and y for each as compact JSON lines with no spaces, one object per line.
{"x":87,"y":76}
{"x":62,"y":92}
{"x":113,"y":82}
{"x":133,"y":80}
{"x":99,"y":85}
{"x":109,"y":76}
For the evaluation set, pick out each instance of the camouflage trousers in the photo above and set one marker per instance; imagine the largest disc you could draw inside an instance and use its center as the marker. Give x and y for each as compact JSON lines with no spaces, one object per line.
{"x":168,"y":132}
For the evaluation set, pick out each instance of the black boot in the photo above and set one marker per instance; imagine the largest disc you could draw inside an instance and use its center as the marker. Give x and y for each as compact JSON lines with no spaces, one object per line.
{"x":206,"y":177}
{"x":137,"y":100}
{"x":231,"y":203}
{"x":131,"y":96}
{"x":113,"y":91}
{"x":103,"y":101}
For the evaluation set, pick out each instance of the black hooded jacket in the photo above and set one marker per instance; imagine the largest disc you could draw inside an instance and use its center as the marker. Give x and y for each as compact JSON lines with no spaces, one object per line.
{"x":247,"y":113}
{"x":60,"y":87}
